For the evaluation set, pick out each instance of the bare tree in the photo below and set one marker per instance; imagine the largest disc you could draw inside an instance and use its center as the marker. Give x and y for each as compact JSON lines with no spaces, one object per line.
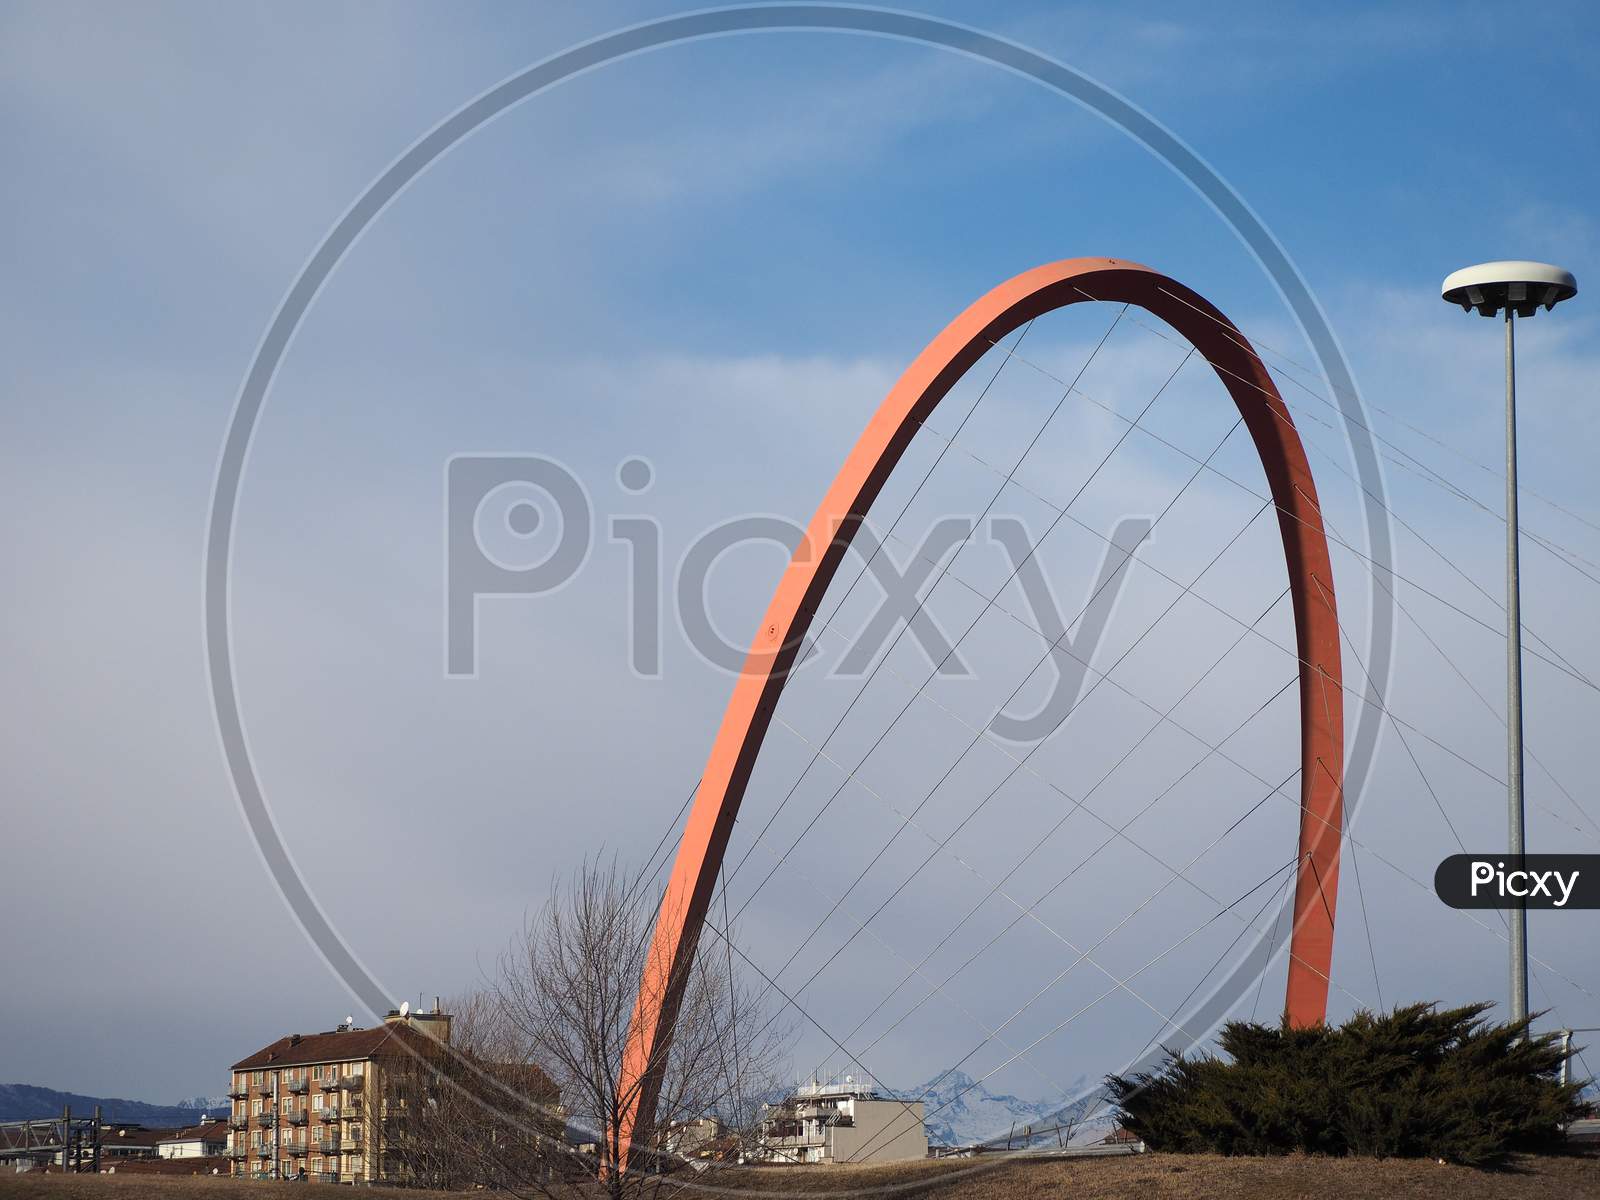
{"x":568,"y":985}
{"x":474,"y":1112}
{"x":528,"y":1096}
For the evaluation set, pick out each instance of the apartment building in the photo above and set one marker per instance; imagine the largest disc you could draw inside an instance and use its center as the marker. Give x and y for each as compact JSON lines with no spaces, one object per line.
{"x":842,"y":1122}
{"x":317,"y":1105}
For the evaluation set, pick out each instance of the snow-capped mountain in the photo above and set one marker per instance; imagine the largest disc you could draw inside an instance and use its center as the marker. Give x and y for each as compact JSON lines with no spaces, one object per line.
{"x":205,"y":1103}
{"x":961,"y":1111}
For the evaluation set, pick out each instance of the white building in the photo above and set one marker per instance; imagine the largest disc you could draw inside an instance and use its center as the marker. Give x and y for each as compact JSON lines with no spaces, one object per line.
{"x":198,"y":1141}
{"x":840,"y":1123}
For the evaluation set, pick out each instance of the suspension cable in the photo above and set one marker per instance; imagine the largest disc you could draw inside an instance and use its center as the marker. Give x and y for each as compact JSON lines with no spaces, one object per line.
{"x":922,"y":601}
{"x":1339,"y":466}
{"x":916,"y":969}
{"x":1019,"y":764}
{"x":1348,"y":691}
{"x":943,"y":572}
{"x":1266,"y":963}
{"x":1483,"y":700}
{"x":878,"y":549}
{"x":1074,"y":806}
{"x":1561,"y":666}
{"x":1334,"y":462}
{"x":868,"y":1147}
{"x":1495,"y":473}
{"x":1149,"y":566}
{"x":970,"y":816}
{"x":1279,"y":896}
{"x":1361,"y":895}
{"x":1013,"y":901}
{"x":973,"y":743}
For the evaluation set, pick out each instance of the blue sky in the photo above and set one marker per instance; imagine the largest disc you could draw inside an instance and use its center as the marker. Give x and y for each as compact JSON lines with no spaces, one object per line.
{"x":719,"y":257}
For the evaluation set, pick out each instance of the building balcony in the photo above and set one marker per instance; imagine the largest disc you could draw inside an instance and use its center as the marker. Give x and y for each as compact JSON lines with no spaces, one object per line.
{"x":240,"y":1121}
{"x":328,"y":1146}
{"x":238,"y":1152}
{"x":325,"y":1177}
{"x":239,"y":1093}
{"x":328,"y":1112}
{"x":266,"y":1119}
{"x":298,"y":1151}
{"x":792,"y":1137}
{"x":299,"y":1117}
{"x":299,"y":1085}
{"x":353,"y":1083}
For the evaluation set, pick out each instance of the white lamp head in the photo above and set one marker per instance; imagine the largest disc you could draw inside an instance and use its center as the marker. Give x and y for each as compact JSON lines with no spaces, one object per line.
{"x":1520,"y":286}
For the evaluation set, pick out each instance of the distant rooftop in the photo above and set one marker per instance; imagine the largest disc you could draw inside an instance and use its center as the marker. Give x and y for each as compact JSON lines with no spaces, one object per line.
{"x":850,"y":1086}
{"x":341,"y":1045}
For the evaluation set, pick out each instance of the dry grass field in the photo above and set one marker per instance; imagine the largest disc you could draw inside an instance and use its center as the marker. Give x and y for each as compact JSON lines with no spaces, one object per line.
{"x":1147,"y":1177}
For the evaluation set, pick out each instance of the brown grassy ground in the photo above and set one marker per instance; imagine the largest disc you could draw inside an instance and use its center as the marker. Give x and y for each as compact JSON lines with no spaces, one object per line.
{"x":1146,"y":1177}
{"x":1190,"y":1177}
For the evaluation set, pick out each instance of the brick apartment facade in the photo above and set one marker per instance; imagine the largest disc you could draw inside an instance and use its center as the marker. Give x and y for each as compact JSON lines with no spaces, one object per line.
{"x":316,"y":1106}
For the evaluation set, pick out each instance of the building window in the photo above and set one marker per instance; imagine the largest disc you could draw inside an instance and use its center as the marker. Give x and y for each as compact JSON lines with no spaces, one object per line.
{"x":258,"y":1077}
{"x":316,"y":1102}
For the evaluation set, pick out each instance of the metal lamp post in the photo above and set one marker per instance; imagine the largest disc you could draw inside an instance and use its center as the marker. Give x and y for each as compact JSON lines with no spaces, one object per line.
{"x":1518,"y":289}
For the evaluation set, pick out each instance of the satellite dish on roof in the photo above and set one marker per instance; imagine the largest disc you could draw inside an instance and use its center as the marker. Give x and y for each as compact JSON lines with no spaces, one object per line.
{"x":350,"y":1021}
{"x":405,"y":1009}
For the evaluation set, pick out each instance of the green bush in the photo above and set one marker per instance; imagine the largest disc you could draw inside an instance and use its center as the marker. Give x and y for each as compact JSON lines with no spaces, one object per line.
{"x":1416,"y":1082}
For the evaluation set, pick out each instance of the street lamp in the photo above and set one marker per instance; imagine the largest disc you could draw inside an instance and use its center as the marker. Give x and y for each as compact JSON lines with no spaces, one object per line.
{"x":1518,"y":288}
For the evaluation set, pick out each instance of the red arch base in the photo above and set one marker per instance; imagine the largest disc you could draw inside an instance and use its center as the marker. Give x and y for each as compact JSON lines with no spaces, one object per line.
{"x":817,"y":558}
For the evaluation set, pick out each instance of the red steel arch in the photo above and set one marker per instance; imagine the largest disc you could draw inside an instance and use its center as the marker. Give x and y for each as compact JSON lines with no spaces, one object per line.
{"x":817,"y":558}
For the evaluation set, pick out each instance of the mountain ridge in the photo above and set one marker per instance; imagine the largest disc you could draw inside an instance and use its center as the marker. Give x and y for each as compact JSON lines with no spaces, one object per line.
{"x":26,"y":1101}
